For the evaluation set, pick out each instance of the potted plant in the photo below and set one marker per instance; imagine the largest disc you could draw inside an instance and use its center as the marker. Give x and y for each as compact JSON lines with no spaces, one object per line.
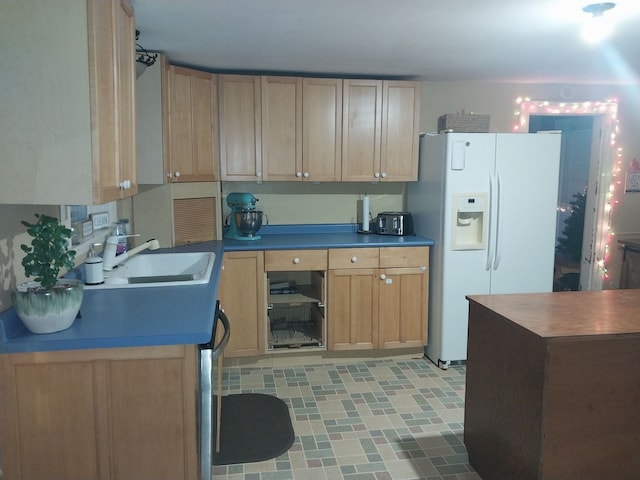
{"x":48,"y":303}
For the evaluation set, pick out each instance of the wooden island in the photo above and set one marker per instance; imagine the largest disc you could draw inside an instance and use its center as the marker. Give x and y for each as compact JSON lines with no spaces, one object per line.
{"x":553,"y":386}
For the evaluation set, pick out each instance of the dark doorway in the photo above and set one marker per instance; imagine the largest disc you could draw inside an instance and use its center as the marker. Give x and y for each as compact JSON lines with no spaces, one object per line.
{"x":575,"y":162}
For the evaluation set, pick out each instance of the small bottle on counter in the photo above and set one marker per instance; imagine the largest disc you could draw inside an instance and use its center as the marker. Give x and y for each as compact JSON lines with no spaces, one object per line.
{"x":120,"y":229}
{"x":93,"y":267}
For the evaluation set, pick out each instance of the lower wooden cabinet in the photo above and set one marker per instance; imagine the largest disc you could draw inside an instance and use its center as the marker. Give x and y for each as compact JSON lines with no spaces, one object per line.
{"x":353,"y":312}
{"x":377,"y":298}
{"x":115,"y":413}
{"x":242,"y":297}
{"x":371,"y":308}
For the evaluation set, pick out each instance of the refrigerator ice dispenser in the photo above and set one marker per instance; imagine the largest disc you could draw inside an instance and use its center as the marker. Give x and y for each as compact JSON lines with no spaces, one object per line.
{"x":470,"y":221}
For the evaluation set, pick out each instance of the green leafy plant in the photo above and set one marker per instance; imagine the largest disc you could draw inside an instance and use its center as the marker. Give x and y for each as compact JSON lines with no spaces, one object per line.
{"x":49,"y":250}
{"x":571,"y":244}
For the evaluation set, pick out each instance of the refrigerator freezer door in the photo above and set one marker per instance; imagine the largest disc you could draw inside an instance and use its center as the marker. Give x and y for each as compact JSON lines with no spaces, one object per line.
{"x":458,"y":272}
{"x":527,"y":172}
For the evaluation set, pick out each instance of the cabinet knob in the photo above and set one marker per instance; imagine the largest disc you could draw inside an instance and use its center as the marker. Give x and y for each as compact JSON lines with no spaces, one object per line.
{"x":125,"y":184}
{"x":298,"y":174}
{"x":377,"y":174}
{"x":306,"y":175}
{"x":296,"y":260}
{"x":383,"y":276}
{"x":354,"y":259}
{"x":384,"y":175}
{"x":177,"y":174}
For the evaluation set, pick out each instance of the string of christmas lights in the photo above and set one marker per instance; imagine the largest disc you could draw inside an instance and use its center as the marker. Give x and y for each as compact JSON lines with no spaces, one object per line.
{"x":611,"y":170}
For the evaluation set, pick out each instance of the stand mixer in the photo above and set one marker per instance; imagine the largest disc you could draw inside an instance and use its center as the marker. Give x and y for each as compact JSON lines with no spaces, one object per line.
{"x":245,"y":220}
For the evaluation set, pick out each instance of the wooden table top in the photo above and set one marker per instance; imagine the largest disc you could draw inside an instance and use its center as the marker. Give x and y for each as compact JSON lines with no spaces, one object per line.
{"x":568,"y":314}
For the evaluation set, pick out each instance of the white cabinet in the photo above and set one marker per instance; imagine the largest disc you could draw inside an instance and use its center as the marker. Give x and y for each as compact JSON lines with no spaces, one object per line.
{"x":67,"y":123}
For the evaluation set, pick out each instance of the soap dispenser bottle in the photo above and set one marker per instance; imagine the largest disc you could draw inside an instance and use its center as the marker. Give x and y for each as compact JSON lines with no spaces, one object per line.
{"x":93,"y":267}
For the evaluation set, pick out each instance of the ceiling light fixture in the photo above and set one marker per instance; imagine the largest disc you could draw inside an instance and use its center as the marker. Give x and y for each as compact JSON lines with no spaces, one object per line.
{"x":144,"y":59}
{"x":597,"y":27}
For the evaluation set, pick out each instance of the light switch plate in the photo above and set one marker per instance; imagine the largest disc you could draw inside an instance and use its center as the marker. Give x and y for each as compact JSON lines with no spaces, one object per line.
{"x":100,"y":220}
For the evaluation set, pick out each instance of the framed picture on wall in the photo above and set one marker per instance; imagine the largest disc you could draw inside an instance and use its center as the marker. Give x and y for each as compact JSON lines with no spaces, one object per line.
{"x":633,"y":177}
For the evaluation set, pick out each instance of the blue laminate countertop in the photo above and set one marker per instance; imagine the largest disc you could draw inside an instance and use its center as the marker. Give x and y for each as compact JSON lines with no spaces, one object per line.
{"x":151,"y":316}
{"x":292,"y":237}
{"x":135,"y":317}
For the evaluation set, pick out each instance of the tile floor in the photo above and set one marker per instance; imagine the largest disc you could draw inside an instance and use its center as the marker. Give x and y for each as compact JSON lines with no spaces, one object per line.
{"x":376,"y":419}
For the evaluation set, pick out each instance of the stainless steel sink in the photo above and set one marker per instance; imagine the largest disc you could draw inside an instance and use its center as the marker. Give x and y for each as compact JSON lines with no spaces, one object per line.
{"x":160,"y":269}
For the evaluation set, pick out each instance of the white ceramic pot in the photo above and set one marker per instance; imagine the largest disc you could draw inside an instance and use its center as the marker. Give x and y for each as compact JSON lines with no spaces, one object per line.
{"x":48,"y":311}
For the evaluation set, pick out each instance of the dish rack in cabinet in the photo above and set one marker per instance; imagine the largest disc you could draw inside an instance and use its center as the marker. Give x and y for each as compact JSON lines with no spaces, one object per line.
{"x":295,"y":306}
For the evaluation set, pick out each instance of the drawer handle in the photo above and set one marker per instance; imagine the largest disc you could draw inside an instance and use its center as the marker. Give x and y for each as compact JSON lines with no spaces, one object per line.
{"x":354,"y":259}
{"x":296,"y":260}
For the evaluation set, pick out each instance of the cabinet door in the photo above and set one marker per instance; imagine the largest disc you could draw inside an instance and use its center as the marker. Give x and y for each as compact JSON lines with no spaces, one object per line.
{"x":100,"y":414}
{"x":192,"y":126}
{"x":49,"y":428}
{"x":281,"y":128}
{"x":242,"y":297}
{"x":152,"y":421}
{"x":402,"y":307}
{"x":127,"y":87}
{"x":353,"y":309}
{"x":400,"y":126}
{"x":112,"y":74}
{"x":240,"y":127}
{"x":322,"y":129}
{"x":361,"y":130}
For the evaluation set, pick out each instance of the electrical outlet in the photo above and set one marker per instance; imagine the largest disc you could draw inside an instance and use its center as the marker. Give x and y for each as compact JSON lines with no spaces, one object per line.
{"x":100,"y":220}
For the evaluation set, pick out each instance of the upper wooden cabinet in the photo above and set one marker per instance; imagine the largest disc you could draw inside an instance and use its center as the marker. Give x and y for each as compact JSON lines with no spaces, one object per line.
{"x":322,"y":129}
{"x":400,"y":130}
{"x":301,"y":129}
{"x":361,"y":130}
{"x":68,"y":116}
{"x":281,"y":128}
{"x":380,"y":130}
{"x":240,"y":127}
{"x":191,"y":125}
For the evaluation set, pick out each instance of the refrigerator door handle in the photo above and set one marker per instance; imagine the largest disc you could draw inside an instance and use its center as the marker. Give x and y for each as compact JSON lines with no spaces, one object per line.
{"x":496,"y":259}
{"x":489,"y":228}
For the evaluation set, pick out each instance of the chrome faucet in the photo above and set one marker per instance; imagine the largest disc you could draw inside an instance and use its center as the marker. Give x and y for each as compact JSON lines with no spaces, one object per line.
{"x":109,"y":258}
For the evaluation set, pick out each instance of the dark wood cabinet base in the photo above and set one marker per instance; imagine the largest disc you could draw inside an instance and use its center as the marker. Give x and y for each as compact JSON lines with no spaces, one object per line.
{"x":553,"y":386}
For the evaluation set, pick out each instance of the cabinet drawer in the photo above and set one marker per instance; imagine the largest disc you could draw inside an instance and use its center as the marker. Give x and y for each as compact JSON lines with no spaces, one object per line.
{"x":353,"y":258}
{"x":404,"y":257}
{"x":292,"y":260}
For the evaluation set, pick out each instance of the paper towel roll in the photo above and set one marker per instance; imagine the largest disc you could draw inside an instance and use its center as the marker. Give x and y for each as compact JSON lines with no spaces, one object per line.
{"x":365,"y":213}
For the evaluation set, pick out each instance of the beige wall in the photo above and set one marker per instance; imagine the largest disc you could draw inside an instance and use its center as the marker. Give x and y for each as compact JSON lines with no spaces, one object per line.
{"x":498,"y":100}
{"x":293,"y":203}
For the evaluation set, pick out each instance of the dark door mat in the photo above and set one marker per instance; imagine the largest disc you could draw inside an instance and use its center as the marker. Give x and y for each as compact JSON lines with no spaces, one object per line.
{"x":254,"y":427}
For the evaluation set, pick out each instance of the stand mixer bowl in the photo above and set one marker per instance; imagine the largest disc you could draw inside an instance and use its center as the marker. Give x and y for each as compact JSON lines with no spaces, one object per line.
{"x":248,"y":222}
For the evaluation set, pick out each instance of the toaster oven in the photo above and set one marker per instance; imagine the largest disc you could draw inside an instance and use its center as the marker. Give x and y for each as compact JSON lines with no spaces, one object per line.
{"x":394,"y":223}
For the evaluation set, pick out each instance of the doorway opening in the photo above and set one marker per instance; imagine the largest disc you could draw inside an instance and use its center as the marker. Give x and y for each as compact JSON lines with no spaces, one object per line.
{"x":575,"y":162}
{"x":587,"y":153}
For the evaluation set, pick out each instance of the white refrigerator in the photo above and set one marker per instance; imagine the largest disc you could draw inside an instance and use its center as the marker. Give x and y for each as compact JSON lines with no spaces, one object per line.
{"x":488,"y":200}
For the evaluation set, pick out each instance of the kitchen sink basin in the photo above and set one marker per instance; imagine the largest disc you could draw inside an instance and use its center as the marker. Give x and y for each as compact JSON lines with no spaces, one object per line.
{"x":160,"y":269}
